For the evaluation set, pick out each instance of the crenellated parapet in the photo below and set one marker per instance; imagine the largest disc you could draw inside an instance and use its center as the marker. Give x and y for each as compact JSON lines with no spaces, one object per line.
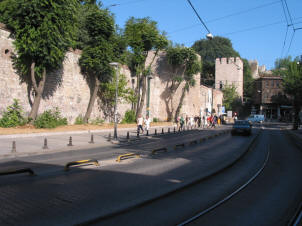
{"x":229,"y":72}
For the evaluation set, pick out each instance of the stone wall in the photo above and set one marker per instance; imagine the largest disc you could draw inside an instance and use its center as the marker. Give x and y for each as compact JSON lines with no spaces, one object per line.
{"x":68,"y":90}
{"x":229,"y":71}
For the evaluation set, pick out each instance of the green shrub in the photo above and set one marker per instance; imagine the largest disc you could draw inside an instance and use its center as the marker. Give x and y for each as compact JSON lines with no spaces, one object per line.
{"x":50,"y":119}
{"x":96,"y":121}
{"x":155,"y":120}
{"x":79,"y":120}
{"x":13,"y":116}
{"x":129,"y":117}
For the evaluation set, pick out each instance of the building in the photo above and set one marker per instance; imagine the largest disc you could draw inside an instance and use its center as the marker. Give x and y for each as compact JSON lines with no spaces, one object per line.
{"x":229,"y":72}
{"x":269,"y":98}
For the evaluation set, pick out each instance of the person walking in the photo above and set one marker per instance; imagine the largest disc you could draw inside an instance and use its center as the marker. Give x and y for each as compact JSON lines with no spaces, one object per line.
{"x":140,"y":121}
{"x":147,"y":123}
{"x":178,"y":122}
{"x":182,"y":122}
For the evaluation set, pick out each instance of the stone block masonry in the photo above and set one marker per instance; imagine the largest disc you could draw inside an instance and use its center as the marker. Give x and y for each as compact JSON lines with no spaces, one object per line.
{"x":68,"y":90}
{"x":228,"y":72}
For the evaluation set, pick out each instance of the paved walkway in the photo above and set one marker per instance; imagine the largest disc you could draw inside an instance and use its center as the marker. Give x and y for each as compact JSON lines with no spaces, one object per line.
{"x":28,"y":144}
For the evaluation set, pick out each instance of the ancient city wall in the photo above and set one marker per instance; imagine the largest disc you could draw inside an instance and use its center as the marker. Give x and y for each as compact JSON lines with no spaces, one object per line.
{"x":229,"y":71}
{"x":69,"y":91}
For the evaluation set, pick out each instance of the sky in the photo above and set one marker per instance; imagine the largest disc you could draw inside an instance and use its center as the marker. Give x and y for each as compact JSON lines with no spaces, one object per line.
{"x":261,"y":30}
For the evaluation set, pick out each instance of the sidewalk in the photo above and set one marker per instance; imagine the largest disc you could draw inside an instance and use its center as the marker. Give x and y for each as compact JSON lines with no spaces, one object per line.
{"x":18,"y":145}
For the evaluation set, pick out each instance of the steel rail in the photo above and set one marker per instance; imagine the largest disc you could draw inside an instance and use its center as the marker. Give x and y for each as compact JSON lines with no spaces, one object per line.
{"x":195,"y":217}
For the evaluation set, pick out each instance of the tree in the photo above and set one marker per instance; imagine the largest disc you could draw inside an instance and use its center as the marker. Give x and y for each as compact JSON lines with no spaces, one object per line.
{"x":209,"y":50}
{"x":107,"y":94}
{"x":185,"y":64}
{"x":101,"y":49}
{"x":231,"y":100}
{"x":43,"y":32}
{"x":291,"y":73}
{"x":248,"y":81}
{"x":142,"y":36}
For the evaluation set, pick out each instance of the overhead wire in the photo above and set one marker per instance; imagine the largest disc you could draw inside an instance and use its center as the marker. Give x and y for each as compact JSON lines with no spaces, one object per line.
{"x":253,"y":28}
{"x":291,"y":40}
{"x":289,"y":14}
{"x":284,"y":42}
{"x":226,"y":16}
{"x":203,"y":23}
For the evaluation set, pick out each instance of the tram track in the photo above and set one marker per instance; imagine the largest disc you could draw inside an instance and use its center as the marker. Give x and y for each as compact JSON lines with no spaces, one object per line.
{"x":203,"y":212}
{"x":150,"y":205}
{"x":262,"y":206}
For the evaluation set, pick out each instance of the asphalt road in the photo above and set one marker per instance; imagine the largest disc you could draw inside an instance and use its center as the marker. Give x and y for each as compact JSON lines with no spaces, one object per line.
{"x":55,"y":197}
{"x":272,"y":198}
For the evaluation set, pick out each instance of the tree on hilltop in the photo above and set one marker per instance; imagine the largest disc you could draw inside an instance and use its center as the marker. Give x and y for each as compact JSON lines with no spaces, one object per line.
{"x":209,"y":50}
{"x":43,"y":32}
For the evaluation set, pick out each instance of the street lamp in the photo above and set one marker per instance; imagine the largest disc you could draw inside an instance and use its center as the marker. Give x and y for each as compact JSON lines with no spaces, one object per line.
{"x":115,"y":65}
{"x":149,"y":77}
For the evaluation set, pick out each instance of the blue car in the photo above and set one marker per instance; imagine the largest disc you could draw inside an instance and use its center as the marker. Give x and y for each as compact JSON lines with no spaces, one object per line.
{"x":242,"y":127}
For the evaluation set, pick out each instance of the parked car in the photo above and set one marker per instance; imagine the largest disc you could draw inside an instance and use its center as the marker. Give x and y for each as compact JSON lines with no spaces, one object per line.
{"x":242,"y":127}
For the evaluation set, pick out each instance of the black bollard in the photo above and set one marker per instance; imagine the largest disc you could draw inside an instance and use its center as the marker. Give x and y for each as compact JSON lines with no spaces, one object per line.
{"x":14,"y":149}
{"x":174,"y":130}
{"x":162,"y":131}
{"x":137,"y":135}
{"x":45,"y":144}
{"x":168,"y":130}
{"x":155,"y":132}
{"x":109,"y":137}
{"x":128,"y":137}
{"x":91,"y":140}
{"x":70,"y":142}
{"x":147,"y":133}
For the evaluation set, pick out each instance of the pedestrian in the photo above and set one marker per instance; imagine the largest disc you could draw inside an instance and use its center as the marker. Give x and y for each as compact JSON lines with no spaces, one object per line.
{"x":178,"y":122}
{"x":187,"y":122}
{"x":182,"y":122}
{"x":191,"y":122}
{"x":147,"y":123}
{"x":140,"y":121}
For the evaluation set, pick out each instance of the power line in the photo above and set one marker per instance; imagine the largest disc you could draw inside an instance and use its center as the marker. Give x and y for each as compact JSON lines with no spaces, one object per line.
{"x":226,"y":16}
{"x":244,"y":11}
{"x":291,"y":40}
{"x":291,"y":20}
{"x":253,"y":28}
{"x":198,"y":16}
{"x":284,"y":41}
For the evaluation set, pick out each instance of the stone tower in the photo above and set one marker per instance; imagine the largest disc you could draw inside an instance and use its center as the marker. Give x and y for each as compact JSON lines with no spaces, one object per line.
{"x":228,"y":72}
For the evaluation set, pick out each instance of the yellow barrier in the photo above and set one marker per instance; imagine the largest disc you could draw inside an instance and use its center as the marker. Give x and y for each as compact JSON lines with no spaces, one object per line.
{"x":159,"y":149}
{"x":81,"y":162}
{"x":17,"y":171}
{"x":179,"y":145}
{"x":193,"y":142}
{"x":125,"y":156}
